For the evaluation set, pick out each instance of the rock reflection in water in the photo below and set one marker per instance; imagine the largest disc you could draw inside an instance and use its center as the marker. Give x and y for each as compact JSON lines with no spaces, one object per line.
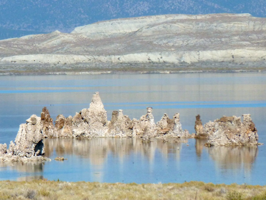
{"x":234,"y":158}
{"x":36,"y":169}
{"x":199,"y":145}
{"x":230,"y":158}
{"x":97,"y":149}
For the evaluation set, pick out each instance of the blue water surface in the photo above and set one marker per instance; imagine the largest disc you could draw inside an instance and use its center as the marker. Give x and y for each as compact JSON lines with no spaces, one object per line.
{"x":126,"y":160}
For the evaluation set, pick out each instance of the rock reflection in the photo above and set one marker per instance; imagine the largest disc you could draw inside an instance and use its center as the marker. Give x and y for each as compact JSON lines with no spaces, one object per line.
{"x":199,"y":145}
{"x":234,"y":158}
{"x":230,"y":158}
{"x":97,"y":149}
{"x":35,"y":169}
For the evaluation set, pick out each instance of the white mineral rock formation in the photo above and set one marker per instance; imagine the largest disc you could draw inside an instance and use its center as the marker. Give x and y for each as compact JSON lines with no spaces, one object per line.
{"x":230,"y":131}
{"x":91,"y":122}
{"x":120,"y":125}
{"x":171,"y":126}
{"x":28,"y":145}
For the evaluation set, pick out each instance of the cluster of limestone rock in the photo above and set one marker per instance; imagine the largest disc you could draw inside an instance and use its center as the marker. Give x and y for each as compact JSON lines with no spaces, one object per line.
{"x":92,"y":122}
{"x":28,"y":145}
{"x":228,"y":131}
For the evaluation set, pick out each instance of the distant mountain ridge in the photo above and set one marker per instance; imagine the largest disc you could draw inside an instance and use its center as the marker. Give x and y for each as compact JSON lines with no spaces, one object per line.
{"x":216,"y":41}
{"x":18,"y":17}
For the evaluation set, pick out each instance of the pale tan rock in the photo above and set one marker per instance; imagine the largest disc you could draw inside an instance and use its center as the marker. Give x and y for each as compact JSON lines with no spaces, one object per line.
{"x":28,"y":144}
{"x":145,"y":127}
{"x":177,"y":129}
{"x":63,"y":127}
{"x":230,"y":131}
{"x":91,"y":122}
{"x":48,"y":129}
{"x":120,"y":125}
{"x":11,"y":148}
{"x":137,"y":130}
{"x":199,"y":132}
{"x":29,"y":138}
{"x":60,"y":159}
{"x":3,"y":149}
{"x":167,"y":126}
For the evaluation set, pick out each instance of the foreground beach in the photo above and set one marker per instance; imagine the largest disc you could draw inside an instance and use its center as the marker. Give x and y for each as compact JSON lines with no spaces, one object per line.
{"x":43,"y":189}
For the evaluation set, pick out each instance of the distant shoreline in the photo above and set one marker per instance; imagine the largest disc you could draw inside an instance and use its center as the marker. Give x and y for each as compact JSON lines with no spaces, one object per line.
{"x":17,"y":70}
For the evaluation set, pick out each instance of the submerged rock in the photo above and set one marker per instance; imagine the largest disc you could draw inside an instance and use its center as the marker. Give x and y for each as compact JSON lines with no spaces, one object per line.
{"x":228,"y":131}
{"x":60,"y":159}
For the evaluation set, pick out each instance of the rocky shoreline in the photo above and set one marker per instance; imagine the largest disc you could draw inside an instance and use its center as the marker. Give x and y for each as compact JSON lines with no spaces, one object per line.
{"x":92,"y":122}
{"x":127,"y":72}
{"x":136,"y":68}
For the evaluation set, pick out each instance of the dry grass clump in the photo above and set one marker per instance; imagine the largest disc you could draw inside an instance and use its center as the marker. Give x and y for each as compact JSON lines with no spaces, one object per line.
{"x":57,"y":190}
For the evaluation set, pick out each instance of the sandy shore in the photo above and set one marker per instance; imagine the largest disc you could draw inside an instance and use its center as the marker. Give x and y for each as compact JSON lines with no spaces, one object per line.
{"x":43,"y":189}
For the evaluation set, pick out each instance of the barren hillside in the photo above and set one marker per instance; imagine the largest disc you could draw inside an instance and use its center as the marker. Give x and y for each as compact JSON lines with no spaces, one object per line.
{"x":170,"y":40}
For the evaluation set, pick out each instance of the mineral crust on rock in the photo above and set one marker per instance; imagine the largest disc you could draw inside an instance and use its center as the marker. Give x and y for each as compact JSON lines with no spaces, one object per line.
{"x":28,"y":141}
{"x":3,"y":149}
{"x":120,"y":125}
{"x":63,"y":126}
{"x":28,"y":145}
{"x":171,"y":126}
{"x":200,"y":133}
{"x":145,"y":126}
{"x":177,"y":129}
{"x":91,"y":122}
{"x":231,"y":131}
{"x":47,"y":123}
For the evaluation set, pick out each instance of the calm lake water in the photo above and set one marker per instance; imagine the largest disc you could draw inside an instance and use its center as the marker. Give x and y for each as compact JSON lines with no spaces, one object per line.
{"x":129,"y":160}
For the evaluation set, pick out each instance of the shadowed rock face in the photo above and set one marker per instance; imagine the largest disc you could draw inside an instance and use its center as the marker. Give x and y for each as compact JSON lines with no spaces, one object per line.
{"x":231,"y":131}
{"x":63,"y":126}
{"x":165,"y":124}
{"x":28,"y":143}
{"x":3,"y":149}
{"x":47,"y":122}
{"x":199,"y":128}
